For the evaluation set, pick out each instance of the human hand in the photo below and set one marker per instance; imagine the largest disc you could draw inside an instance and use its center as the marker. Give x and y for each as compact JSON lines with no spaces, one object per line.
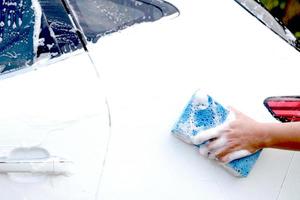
{"x":235,"y":139}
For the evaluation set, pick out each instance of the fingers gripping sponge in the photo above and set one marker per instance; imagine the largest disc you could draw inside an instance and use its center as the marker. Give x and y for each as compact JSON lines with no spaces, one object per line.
{"x":203,"y":113}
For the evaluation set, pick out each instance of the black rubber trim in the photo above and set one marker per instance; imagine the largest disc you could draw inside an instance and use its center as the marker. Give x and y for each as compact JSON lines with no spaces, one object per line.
{"x":77,"y":26}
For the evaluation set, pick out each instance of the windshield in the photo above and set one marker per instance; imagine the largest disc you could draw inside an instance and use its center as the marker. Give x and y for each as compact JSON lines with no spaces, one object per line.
{"x":287,"y":11}
{"x":281,"y":16}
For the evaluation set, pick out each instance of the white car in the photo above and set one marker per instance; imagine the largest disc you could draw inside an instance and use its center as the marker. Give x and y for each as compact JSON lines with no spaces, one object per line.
{"x":95,"y":123}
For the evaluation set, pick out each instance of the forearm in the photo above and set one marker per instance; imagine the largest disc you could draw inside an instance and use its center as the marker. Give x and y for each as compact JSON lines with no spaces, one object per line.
{"x":281,"y":135}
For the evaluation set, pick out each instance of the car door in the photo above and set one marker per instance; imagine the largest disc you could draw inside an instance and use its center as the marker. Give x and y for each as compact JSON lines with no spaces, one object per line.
{"x":56,"y":129}
{"x":55,"y":117}
{"x":215,"y":46}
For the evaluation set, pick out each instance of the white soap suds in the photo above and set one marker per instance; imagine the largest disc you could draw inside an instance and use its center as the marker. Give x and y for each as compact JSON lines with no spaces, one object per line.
{"x":200,"y":100}
{"x":210,"y":151}
{"x":207,"y":135}
{"x":41,"y":41}
{"x":21,"y":3}
{"x":236,"y":155}
{"x":290,"y":36}
{"x":188,"y":128}
{"x":218,"y":144}
{"x":50,"y":45}
{"x":11,"y":54}
{"x":213,"y":132}
{"x":20,"y":21}
{"x":14,"y":25}
{"x":37,"y":23}
{"x":54,"y":54}
{"x":9,"y":3}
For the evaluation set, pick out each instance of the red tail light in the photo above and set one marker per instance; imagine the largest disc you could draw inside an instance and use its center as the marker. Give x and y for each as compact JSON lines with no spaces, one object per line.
{"x":284,"y":109}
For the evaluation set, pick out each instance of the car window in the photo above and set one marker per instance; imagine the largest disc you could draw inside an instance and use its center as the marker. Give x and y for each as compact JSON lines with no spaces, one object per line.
{"x":281,"y":16}
{"x":31,"y":30}
{"x":287,"y":12}
{"x":16,"y":34}
{"x":60,"y":24}
{"x":101,"y":17}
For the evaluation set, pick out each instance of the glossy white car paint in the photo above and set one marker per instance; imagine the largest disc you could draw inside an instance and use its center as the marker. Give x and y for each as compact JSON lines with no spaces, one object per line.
{"x":60,"y":109}
{"x":148,"y":74}
{"x":152,"y":70}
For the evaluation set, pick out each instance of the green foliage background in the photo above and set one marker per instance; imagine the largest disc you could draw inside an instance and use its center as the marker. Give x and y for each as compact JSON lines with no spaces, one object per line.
{"x":287,"y":11}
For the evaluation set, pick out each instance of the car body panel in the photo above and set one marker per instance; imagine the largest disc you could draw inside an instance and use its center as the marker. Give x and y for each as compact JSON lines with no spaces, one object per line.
{"x":152,"y":70}
{"x":68,"y":119}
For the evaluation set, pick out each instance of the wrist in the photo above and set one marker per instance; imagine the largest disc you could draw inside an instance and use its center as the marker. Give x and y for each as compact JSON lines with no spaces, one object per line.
{"x":265,"y":135}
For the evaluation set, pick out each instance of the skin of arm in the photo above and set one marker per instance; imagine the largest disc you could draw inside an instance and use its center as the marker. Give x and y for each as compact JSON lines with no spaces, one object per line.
{"x":248,"y":135}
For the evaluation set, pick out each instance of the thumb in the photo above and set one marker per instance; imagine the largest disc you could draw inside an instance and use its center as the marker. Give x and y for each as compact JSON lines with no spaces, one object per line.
{"x":235,"y":111}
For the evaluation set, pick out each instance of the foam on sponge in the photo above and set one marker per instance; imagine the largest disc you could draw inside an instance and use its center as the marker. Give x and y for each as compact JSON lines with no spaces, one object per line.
{"x":202,"y":114}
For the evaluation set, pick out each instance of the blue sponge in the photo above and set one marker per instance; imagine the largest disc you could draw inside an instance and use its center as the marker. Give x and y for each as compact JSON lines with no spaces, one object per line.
{"x":203,"y":113}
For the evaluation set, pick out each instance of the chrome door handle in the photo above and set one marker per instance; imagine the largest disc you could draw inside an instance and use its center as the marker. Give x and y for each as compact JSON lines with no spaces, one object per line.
{"x":48,"y":166}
